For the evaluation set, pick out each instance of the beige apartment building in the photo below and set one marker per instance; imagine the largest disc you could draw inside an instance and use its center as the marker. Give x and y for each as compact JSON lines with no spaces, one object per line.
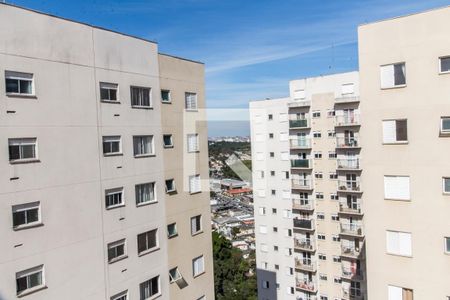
{"x":307,"y":191}
{"x":405,"y":110}
{"x":103,"y":189}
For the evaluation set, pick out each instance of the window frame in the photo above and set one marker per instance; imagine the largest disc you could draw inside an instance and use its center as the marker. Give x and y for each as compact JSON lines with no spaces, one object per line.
{"x":151,"y":146}
{"x":170,"y":96}
{"x":396,"y":142}
{"x":113,"y":191}
{"x":171,"y":141}
{"x":116,"y":88}
{"x":25,"y":274}
{"x":141,"y":90}
{"x":196,"y":177}
{"x":113,"y":139}
{"x":198,"y":222}
{"x":19,"y":76}
{"x":152,"y":249}
{"x":399,"y":253}
{"x":186,"y":95}
{"x":119,"y":296}
{"x":174,"y":186}
{"x":446,"y":250}
{"x":197,"y":142}
{"x":26,"y":141}
{"x":177,"y":273}
{"x":394,"y":86}
{"x":149,"y":281}
{"x":444,"y":132}
{"x":23,"y":208}
{"x":440,"y":65}
{"x":443,"y":185}
{"x":114,"y":245}
{"x":194,"y":260}
{"x":152,"y":187}
{"x":168,"y":231}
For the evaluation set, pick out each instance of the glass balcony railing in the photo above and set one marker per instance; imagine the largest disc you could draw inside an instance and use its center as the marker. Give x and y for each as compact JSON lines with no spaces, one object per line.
{"x":306,"y":204}
{"x":350,"y":251}
{"x":347,"y":142}
{"x":301,"y":184}
{"x":306,"y":264}
{"x":348,"y":163}
{"x":301,"y":163}
{"x":303,"y":224}
{"x":298,"y":123}
{"x":304,"y":244}
{"x":351,"y":228}
{"x":300,"y":143}
{"x":349,"y":186}
{"x":347,"y":120}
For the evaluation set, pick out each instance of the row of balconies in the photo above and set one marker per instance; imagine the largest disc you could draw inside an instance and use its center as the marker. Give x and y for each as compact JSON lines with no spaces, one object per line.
{"x":341,"y":143}
{"x":343,"y":185}
{"x":305,"y":264}
{"x":342,"y":164}
{"x":344,"y":207}
{"x":338,"y":100}
{"x":346,"y":120}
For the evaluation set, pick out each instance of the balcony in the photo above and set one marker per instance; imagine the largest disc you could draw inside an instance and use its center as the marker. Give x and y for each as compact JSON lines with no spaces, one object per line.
{"x":303,"y":224}
{"x":303,"y":204}
{"x":347,"y":142}
{"x":349,"y":120}
{"x":299,"y":123}
{"x":351,"y":252}
{"x":305,"y":264}
{"x":351,"y":229}
{"x":348,"y":164}
{"x":301,"y":184}
{"x":346,"y":99}
{"x":301,"y":164}
{"x":352,"y":273}
{"x":306,"y":285}
{"x":349,"y":186}
{"x":299,"y":103}
{"x":350,"y":209}
{"x":305,"y":244}
{"x":300,"y":144}
{"x":352,"y":294}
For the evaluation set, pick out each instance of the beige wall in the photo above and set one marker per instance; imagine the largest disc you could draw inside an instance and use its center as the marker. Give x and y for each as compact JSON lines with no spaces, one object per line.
{"x":419,"y":40}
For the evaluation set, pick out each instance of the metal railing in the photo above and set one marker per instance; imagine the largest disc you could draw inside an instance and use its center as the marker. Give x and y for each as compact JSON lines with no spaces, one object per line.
{"x":306,"y":264}
{"x":352,"y":208}
{"x":301,"y":183}
{"x":305,"y":284}
{"x":302,"y":204}
{"x":301,"y":163}
{"x":351,"y":228}
{"x":349,"y":185}
{"x":347,"y":120}
{"x":304,"y":243}
{"x":348,"y":163}
{"x":347,"y":142}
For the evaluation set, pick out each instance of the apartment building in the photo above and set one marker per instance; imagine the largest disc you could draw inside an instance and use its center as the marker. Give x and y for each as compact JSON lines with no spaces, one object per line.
{"x":102,"y":195}
{"x":307,"y":191}
{"x":405,"y":88}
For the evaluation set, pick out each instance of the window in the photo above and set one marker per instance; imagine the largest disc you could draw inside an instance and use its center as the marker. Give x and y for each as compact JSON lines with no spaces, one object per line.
{"x":191,"y":101}
{"x":333,"y":176}
{"x":275,"y":248}
{"x":318,"y":175}
{"x":195,"y":184}
{"x":170,"y":186}
{"x":331,"y":113}
{"x":284,"y":155}
{"x":322,"y":256}
{"x":168,"y":141}
{"x":174,"y":275}
{"x":198,"y":266}
{"x":275,"y":229}
{"x":19,"y":83}
{"x":192,"y":142}
{"x":270,"y":117}
{"x":108,"y":92}
{"x":262,"y":211}
{"x":320,"y":216}
{"x":393,"y":75}
{"x":116,"y":251}
{"x":334,"y":197}
{"x":284,"y":136}
{"x":336,"y":238}
{"x":332,"y":155}
{"x":272,"y":173}
{"x":270,"y":135}
{"x":274,"y":211}
{"x":395,"y":131}
{"x":398,"y":243}
{"x":316,"y":114}
{"x":334,"y":217}
{"x":445,"y":125}
{"x":112,"y":145}
{"x":143,"y":145}
{"x":140,"y":97}
{"x":147,"y":241}
{"x":447,"y":245}
{"x":321,"y":237}
{"x":398,"y":293}
{"x":26,"y":215}
{"x":323,"y":277}
{"x":263,"y":229}
{"x":319,"y":196}
{"x":444,"y":64}
{"x":165,"y":96}
{"x":299,"y":94}
{"x":172,"y":230}
{"x":396,"y":188}
{"x":337,"y":280}
{"x":286,"y":174}
{"x":149,"y":289}
{"x":336,"y":259}
{"x":446,"y":185}
{"x":331,"y":133}
{"x":272,"y":154}
{"x":273,"y":192}
{"x":265,"y":284}
{"x":114,"y":198}
{"x":145,"y":193}
{"x":348,"y":88}
{"x":23,"y":149}
{"x":318,"y":155}
{"x":196,"y":225}
{"x":317,"y":134}
{"x":121,"y":296}
{"x":30,"y":280}
{"x":287,"y":213}
{"x":323,"y":297}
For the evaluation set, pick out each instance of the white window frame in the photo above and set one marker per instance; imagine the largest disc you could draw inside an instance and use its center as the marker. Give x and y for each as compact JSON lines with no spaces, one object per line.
{"x":174,"y":189}
{"x":114,"y":191}
{"x":440,"y":64}
{"x":170,"y":96}
{"x":191,"y":101}
{"x":195,"y":187}
{"x":443,"y":185}
{"x":198,"y":269}
{"x":152,"y":187}
{"x":114,"y":245}
{"x":444,"y":131}
{"x":387,"y":124}
{"x":193,"y":146}
{"x":139,"y":139}
{"x":141,"y":90}
{"x":198,"y":223}
{"x":396,"y":177}
{"x":148,"y":250}
{"x":156,"y":295}
{"x":20,"y":142}
{"x":109,"y":86}
{"x":28,"y":272}
{"x":20,"y":76}
{"x":175,"y":275}
{"x":120,"y":296}
{"x":171,"y":141}
{"x":400,"y":234}
{"x":169,"y":235}
{"x":391,"y":85}
{"x":23,"y":208}
{"x":112,"y":139}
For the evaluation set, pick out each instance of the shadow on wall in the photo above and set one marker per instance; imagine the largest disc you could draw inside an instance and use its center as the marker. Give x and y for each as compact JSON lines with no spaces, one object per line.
{"x":266,"y":284}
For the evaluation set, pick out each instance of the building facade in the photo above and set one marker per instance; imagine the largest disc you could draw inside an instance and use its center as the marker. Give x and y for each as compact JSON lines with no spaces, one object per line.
{"x":404,"y":69}
{"x":102,"y":190}
{"x":307,"y":191}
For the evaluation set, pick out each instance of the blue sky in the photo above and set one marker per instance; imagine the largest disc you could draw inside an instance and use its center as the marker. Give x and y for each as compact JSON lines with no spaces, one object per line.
{"x":251,"y":48}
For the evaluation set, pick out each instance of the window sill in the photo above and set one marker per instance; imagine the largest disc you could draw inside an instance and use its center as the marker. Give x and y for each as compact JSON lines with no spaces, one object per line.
{"x":166,"y":102}
{"x":196,"y":192}
{"x":148,"y":251}
{"x":28,"y":226}
{"x":141,"y":107}
{"x":199,"y":274}
{"x":112,"y":154}
{"x":18,"y":95}
{"x":31,"y":291}
{"x":171,"y":192}
{"x":172,"y":236}
{"x":444,"y":133}
{"x":197,"y":233}
{"x":146,"y":203}
{"x":191,"y":109}
{"x":144,"y":155}
{"x":117,"y":259}
{"x":154,"y":297}
{"x":168,"y":146}
{"x":24,"y":161}
{"x":400,"y":200}
{"x":193,"y":151}
{"x":115,"y":206}
{"x":397,"y":143}
{"x":399,"y":255}
{"x":444,"y":73}
{"x":110,"y":101}
{"x":400,"y":86}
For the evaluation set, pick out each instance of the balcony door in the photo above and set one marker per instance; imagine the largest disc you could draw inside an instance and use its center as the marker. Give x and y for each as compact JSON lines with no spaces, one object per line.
{"x":352,"y":202}
{"x":351,"y":181}
{"x":302,"y":139}
{"x":349,"y":137}
{"x":349,"y":116}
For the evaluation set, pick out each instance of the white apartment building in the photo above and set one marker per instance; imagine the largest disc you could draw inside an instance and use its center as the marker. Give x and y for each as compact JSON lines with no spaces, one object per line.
{"x":307,"y":191}
{"x":87,"y":195}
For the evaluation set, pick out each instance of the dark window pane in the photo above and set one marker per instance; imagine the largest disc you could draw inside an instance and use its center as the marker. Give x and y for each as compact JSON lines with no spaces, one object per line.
{"x":35,"y":279}
{"x":14,"y":152}
{"x":167,"y":140}
{"x":120,"y":250}
{"x":151,"y":239}
{"x":115,"y":147}
{"x":447,"y":185}
{"x":104,"y":95}
{"x":28,"y":151}
{"x":134,"y":96}
{"x":399,"y":74}
{"x":12,"y":85}
{"x":154,"y":286}
{"x":106,"y":147}
{"x":32,"y":215}
{"x":165,"y":96}
{"x":445,"y":64}
{"x":111,"y":253}
{"x":21,"y":284}
{"x":18,"y":218}
{"x":25,"y":87}
{"x":113,"y":94}
{"x":447,"y":244}
{"x":142,"y":242}
{"x":401,"y":130}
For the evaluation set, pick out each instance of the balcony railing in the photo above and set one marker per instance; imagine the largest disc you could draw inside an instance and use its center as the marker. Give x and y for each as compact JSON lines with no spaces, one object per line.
{"x":352,"y":273}
{"x":306,"y":204}
{"x":354,"y":208}
{"x":306,"y":264}
{"x":352,"y":294}
{"x":347,"y":120}
{"x":306,"y":285}
{"x":301,"y":184}
{"x":351,"y":228}
{"x":349,"y":186}
{"x":346,"y":99}
{"x":299,"y":123}
{"x":300,"y":143}
{"x":303,"y":224}
{"x":300,"y":103}
{"x":348,"y":163}
{"x":301,"y":163}
{"x":347,"y":142}
{"x":350,"y":251}
{"x":304,"y":244}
